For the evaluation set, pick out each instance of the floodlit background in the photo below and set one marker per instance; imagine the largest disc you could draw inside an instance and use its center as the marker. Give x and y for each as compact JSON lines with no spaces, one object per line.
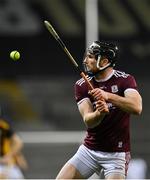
{"x":37,"y":91}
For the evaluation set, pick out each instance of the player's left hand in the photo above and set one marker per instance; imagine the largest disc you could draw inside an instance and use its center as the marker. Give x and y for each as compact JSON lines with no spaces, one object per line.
{"x":98,"y":93}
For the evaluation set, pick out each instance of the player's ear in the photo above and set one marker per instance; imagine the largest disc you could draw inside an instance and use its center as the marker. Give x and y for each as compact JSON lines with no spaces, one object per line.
{"x":104,"y":61}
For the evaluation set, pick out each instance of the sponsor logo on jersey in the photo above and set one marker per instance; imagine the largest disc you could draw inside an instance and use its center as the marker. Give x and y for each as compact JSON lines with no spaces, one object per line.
{"x":120,"y":143}
{"x":114,"y":88}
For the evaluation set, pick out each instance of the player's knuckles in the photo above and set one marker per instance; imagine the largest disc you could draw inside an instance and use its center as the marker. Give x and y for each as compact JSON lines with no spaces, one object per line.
{"x":98,"y":92}
{"x":97,"y":97}
{"x":98,"y":106}
{"x":93,"y":91}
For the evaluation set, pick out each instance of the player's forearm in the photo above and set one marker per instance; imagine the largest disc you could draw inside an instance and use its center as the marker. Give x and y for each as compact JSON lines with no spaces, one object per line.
{"x":127,"y":104}
{"x":16,"y":145}
{"x":93,"y":119}
{"x":16,"y":149}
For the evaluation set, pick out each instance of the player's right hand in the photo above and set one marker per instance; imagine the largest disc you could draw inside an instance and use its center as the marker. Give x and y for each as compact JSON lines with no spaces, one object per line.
{"x":102,"y":106}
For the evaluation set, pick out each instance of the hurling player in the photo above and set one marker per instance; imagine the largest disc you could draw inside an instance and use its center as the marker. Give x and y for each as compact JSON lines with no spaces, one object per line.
{"x":107,"y":142}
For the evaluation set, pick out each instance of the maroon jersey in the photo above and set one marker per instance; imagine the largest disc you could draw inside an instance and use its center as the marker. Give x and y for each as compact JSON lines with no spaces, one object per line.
{"x":112,"y":134}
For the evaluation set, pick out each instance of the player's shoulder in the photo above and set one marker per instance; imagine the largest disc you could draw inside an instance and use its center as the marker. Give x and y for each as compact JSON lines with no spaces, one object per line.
{"x":121,"y":74}
{"x":81,"y":81}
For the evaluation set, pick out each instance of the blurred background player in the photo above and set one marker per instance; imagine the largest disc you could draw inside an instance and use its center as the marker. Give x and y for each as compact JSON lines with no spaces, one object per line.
{"x":12,"y":161}
{"x":107,"y":142}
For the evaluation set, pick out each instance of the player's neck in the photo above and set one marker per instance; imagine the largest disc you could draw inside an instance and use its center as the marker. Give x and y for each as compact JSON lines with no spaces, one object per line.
{"x":104,"y":74}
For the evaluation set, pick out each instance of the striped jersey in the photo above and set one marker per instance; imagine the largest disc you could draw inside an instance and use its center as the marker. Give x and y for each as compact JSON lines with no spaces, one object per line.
{"x":113,"y":133}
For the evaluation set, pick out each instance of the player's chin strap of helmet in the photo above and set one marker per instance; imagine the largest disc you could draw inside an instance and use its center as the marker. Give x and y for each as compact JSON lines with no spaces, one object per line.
{"x":98,"y":63}
{"x":100,"y":69}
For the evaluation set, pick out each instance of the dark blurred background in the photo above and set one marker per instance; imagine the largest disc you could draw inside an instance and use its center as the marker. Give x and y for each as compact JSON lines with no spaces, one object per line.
{"x":37,"y":91}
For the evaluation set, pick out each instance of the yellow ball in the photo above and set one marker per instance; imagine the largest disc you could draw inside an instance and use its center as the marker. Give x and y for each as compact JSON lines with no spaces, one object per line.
{"x":15,"y":55}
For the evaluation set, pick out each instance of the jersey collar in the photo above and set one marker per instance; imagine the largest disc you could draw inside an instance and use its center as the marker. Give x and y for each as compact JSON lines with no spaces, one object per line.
{"x":107,"y":78}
